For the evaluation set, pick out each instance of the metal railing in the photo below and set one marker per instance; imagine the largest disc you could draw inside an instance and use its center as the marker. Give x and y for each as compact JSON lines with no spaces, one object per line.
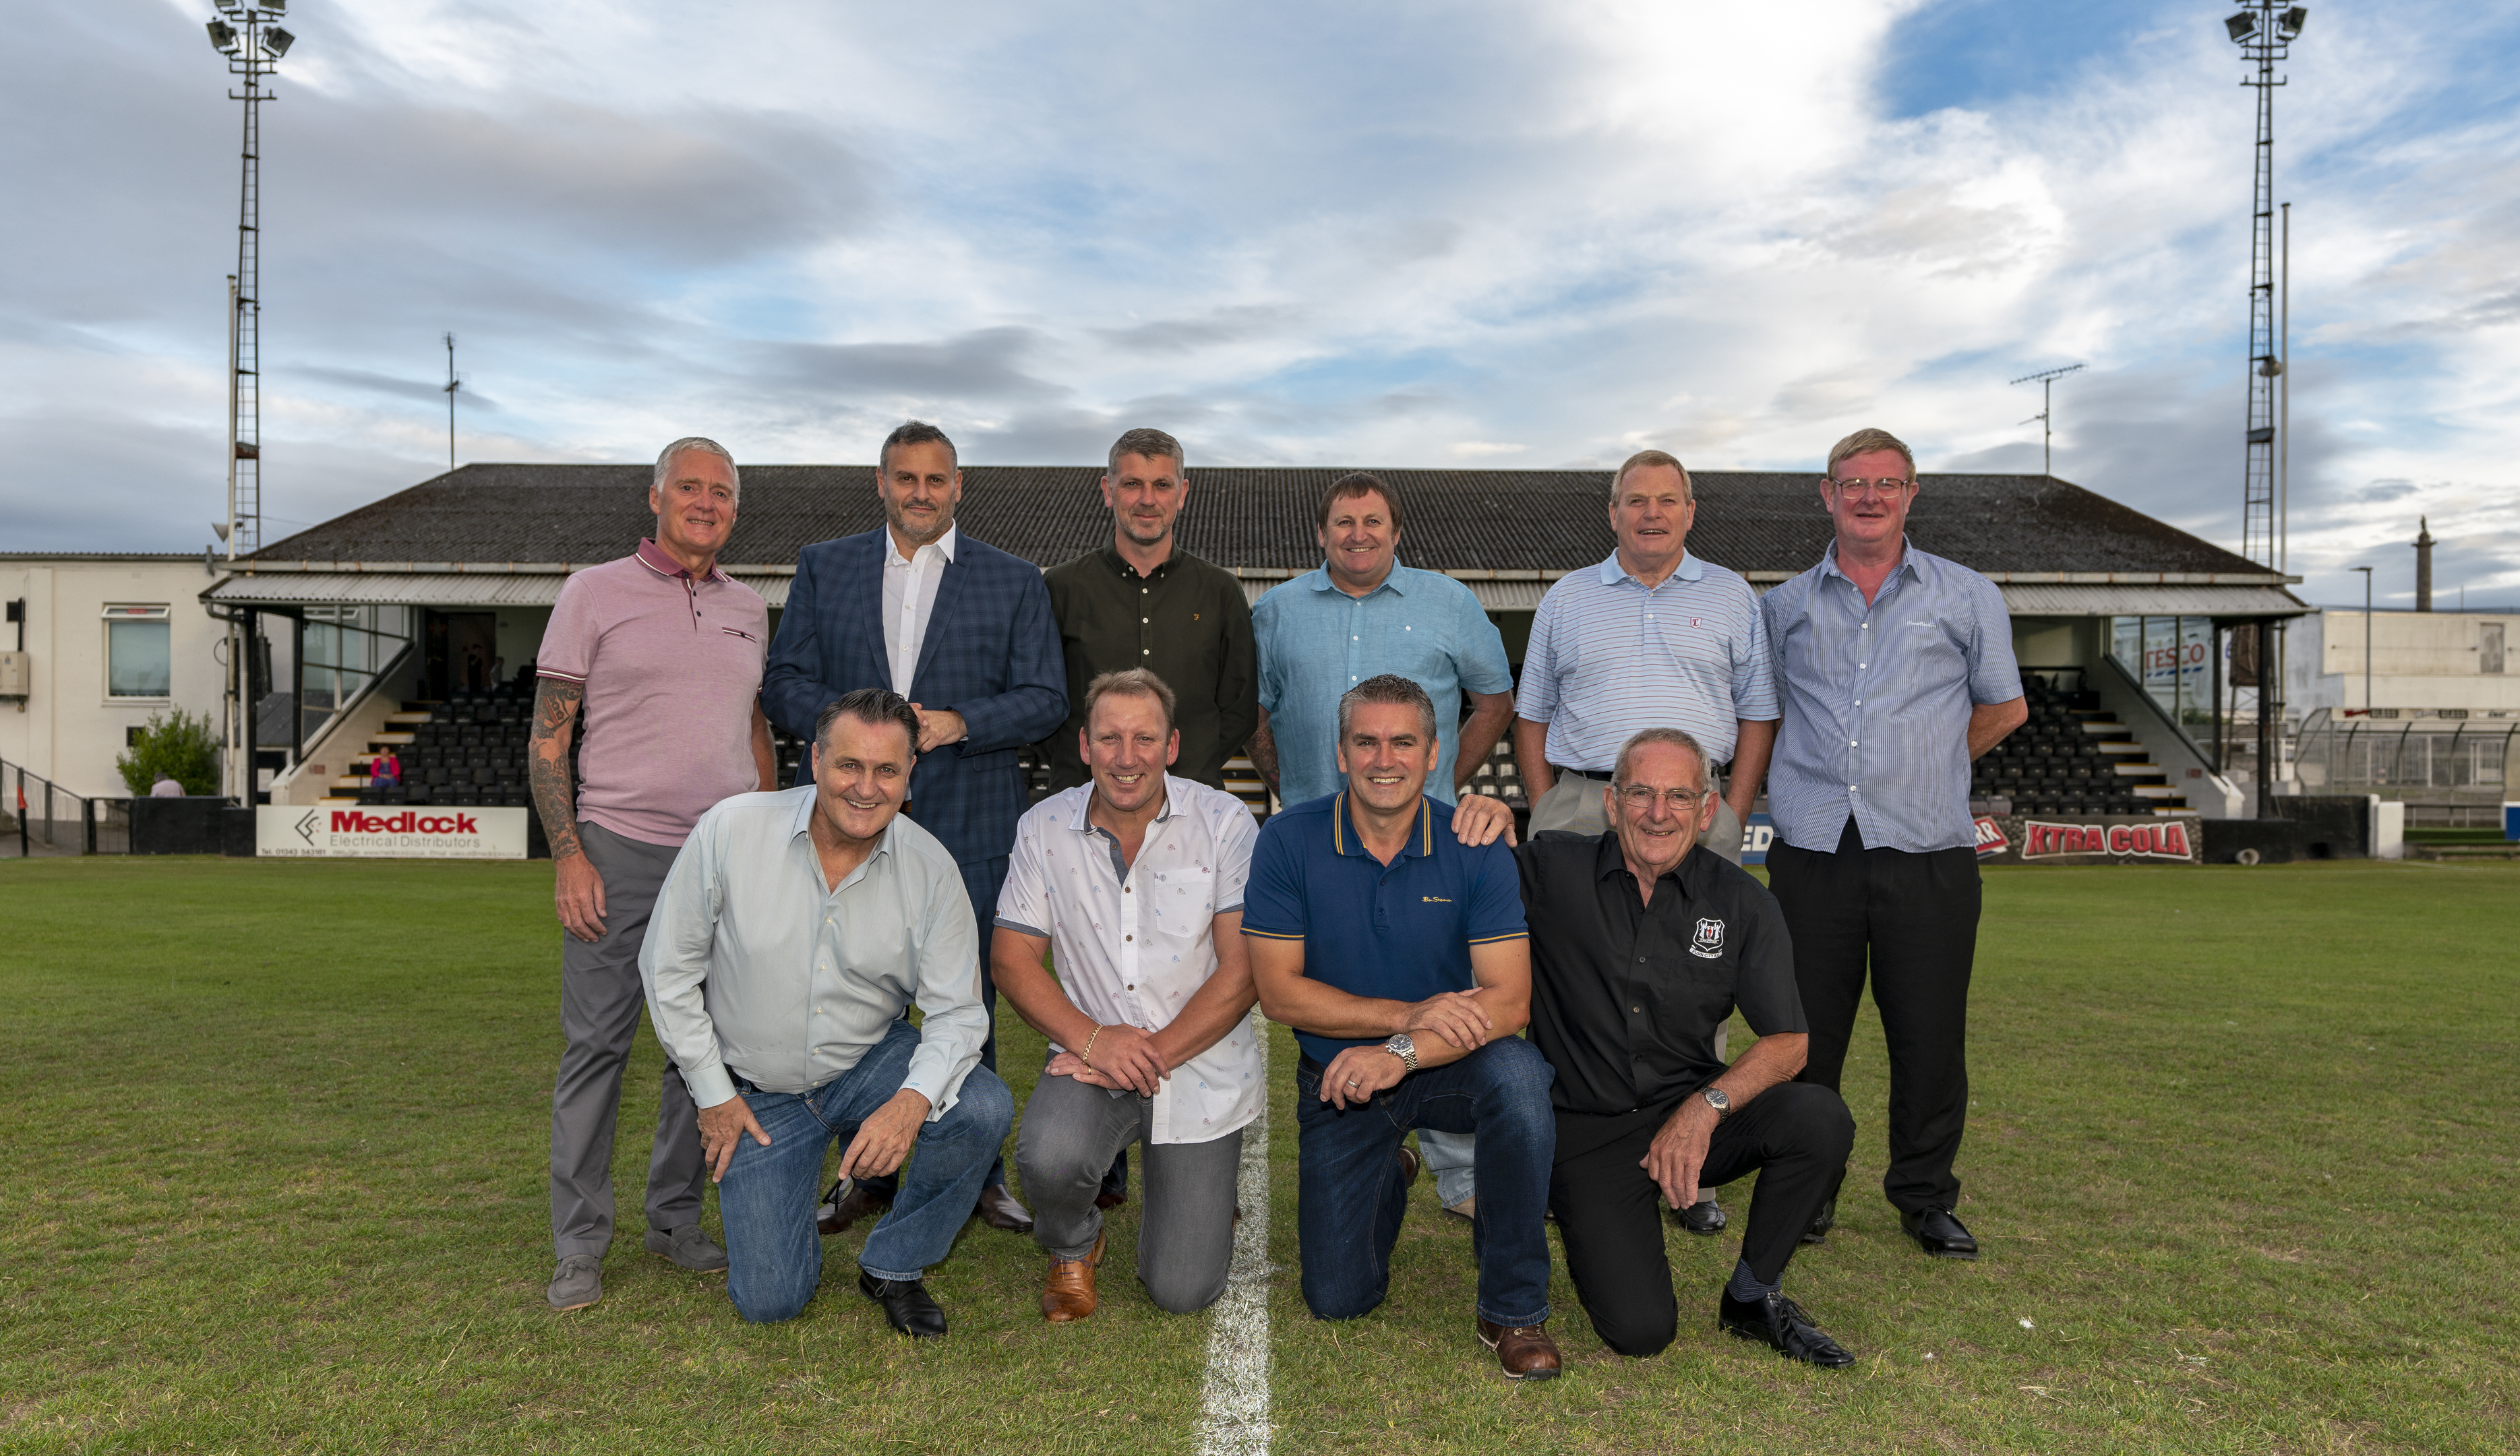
{"x":38,"y":816}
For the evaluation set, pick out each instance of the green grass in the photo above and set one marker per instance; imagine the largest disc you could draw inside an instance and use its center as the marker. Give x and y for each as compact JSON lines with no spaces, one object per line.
{"x":2242,"y":1156}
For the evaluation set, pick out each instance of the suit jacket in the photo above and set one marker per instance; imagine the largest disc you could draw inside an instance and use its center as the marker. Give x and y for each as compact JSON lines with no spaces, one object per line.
{"x":991,"y":654}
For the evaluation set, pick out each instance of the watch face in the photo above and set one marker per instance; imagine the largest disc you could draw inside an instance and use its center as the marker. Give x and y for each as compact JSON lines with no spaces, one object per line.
{"x":1721,"y":1102}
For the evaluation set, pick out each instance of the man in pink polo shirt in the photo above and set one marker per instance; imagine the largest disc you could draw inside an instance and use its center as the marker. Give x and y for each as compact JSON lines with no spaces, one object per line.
{"x":658,"y":655}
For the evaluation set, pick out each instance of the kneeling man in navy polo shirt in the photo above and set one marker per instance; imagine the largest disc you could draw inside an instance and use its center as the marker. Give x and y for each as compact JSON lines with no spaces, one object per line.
{"x":1397,"y":954}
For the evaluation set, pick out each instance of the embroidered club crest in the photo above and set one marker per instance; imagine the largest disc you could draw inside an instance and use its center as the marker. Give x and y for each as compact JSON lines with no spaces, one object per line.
{"x":1708,"y":942}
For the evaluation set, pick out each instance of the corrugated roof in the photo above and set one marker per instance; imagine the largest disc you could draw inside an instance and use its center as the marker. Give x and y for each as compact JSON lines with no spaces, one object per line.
{"x":481,"y":518}
{"x":428,"y":588}
{"x":2037,"y":600}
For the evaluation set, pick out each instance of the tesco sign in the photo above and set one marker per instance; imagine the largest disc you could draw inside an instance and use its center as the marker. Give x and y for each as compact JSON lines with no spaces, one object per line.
{"x":324,"y":832}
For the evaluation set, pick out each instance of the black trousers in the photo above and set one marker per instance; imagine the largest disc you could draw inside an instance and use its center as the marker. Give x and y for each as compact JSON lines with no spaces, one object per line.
{"x":1609,"y":1211}
{"x":1912,"y":920}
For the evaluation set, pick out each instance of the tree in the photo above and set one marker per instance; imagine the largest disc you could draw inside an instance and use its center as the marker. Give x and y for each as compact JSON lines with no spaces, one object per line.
{"x":180,"y":745}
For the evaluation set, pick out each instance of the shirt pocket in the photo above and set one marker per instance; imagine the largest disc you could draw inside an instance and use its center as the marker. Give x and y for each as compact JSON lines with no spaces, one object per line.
{"x":1181,"y":902}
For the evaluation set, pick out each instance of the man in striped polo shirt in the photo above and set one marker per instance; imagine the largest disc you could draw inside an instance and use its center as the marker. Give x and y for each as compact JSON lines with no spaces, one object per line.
{"x":1651,"y":637}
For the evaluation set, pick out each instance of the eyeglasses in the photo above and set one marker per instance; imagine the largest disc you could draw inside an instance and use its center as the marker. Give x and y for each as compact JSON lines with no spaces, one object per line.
{"x":1639,"y":798}
{"x":1857,"y":487}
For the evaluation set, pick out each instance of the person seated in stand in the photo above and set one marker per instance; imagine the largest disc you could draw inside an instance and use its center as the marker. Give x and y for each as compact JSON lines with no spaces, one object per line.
{"x":385,"y":771}
{"x":1397,"y":955}
{"x":1135,"y":879}
{"x":1644,"y":940}
{"x":790,"y":938}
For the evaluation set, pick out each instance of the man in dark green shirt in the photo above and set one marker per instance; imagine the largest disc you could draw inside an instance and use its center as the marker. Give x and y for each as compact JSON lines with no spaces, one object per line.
{"x":1143,"y":602}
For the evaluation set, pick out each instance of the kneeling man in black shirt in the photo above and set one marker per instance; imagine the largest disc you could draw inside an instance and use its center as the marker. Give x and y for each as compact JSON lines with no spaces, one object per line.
{"x":1641,"y":943}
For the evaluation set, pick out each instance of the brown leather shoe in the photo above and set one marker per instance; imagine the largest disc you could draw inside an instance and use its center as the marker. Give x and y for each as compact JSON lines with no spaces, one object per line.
{"x":1068,"y":1293}
{"x":1107,"y":1200}
{"x":1525,"y":1351}
{"x":998,"y":1209}
{"x":839,"y":1209}
{"x":1410,"y":1161}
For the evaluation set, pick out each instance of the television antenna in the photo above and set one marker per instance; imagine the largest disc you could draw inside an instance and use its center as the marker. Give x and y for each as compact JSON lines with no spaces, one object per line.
{"x":2046,"y":380}
{"x":454,"y":382}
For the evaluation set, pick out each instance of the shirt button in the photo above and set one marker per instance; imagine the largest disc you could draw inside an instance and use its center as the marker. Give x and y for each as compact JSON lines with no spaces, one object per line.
{"x":1128,"y":938}
{"x":1850,"y":742}
{"x":1636,"y":1010}
{"x":1124,"y":888}
{"x":1145,"y":651}
{"x":1868,"y":627}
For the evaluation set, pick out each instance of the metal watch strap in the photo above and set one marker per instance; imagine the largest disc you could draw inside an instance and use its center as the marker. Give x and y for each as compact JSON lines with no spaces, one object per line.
{"x":1405,"y":1049}
{"x":1720,"y":1101}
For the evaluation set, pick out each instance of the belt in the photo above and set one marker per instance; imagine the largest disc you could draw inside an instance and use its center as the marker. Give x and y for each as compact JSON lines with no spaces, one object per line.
{"x":1581,"y":774}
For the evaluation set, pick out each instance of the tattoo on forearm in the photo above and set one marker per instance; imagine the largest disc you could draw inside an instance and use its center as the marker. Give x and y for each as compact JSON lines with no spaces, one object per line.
{"x":556,"y":708}
{"x":1263,"y":749}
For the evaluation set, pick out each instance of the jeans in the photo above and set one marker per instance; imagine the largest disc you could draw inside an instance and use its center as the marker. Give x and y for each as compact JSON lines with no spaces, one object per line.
{"x":982,"y":880}
{"x":1350,"y":1189}
{"x":766,"y":1200}
{"x":1452,"y":1161}
{"x":1186,"y":1239}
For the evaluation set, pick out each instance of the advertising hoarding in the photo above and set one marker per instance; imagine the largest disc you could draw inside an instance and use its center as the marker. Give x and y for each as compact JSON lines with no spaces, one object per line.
{"x":2089,"y":839}
{"x":329,"y":831}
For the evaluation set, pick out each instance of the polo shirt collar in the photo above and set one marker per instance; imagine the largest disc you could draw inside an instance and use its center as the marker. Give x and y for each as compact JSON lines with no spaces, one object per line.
{"x":1344,"y":840}
{"x":1083,"y":822}
{"x":944,"y":545}
{"x":1690,"y":568}
{"x":1907,"y":562}
{"x":654,"y":557}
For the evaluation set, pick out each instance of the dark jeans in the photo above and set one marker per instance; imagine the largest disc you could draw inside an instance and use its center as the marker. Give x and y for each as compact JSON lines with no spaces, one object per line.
{"x":1351,"y":1190}
{"x":1912,"y":920}
{"x":766,"y":1200}
{"x":1609,"y":1211}
{"x":983,"y":880}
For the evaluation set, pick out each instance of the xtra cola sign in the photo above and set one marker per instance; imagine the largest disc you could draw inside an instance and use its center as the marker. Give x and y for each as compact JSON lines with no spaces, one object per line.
{"x":2094,"y":839}
{"x":339,"y":831}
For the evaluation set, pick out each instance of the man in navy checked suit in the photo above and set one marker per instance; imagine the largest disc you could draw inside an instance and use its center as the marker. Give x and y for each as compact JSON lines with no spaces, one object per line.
{"x":965,"y":632}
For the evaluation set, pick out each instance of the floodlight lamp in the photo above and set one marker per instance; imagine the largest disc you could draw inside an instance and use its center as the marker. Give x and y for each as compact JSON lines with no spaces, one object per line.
{"x":2293,"y":20}
{"x":222,"y":34}
{"x":278,"y":41}
{"x":2241,"y":25}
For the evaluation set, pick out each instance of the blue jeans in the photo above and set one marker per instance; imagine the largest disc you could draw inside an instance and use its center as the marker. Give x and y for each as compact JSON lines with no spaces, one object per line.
{"x":766,"y":1200}
{"x":1350,"y":1193}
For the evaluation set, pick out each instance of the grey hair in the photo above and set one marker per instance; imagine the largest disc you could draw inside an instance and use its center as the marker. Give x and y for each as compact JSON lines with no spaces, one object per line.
{"x":1133,"y":682}
{"x":1671,"y":735}
{"x":1151,"y":443}
{"x":706,"y":446}
{"x":1389,"y":688}
{"x":1644,"y":458}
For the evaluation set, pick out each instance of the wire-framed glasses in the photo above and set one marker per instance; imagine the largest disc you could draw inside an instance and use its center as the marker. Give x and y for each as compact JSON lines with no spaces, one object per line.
{"x":1637,"y":798}
{"x":1858,"y":487}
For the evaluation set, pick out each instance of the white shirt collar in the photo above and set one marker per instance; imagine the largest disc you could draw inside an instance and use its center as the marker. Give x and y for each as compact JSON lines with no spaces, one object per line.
{"x":942,"y":546}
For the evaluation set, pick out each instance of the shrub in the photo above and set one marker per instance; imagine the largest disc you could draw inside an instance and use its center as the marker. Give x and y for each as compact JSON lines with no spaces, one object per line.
{"x":177,"y":744}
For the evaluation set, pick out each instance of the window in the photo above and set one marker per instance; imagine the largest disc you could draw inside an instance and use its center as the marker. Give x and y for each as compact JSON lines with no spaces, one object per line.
{"x":138,"y":657}
{"x":2488,"y":646}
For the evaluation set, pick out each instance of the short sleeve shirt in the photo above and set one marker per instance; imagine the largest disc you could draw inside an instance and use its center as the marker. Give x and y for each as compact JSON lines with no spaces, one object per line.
{"x":1611,"y":655}
{"x":672,"y":669}
{"x":1400,"y":931}
{"x":1133,"y":943}
{"x":1626,"y":997}
{"x":1317,"y":641}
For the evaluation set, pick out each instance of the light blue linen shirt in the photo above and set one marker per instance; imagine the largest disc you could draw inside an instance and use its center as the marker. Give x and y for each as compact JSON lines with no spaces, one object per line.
{"x":1876,"y":701}
{"x":1611,"y":655}
{"x":755,"y":966}
{"x":1317,"y":641}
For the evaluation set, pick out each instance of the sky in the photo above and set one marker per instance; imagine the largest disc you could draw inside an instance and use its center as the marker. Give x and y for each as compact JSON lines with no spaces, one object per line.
{"x":1406,"y":234}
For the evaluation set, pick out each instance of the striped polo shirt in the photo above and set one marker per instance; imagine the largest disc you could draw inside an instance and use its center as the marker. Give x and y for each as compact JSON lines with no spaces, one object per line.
{"x":1610,"y":656}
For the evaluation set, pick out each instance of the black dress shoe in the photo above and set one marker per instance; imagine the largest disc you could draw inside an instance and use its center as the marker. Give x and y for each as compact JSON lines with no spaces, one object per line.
{"x":849,"y":1201}
{"x":998,"y":1210}
{"x":1704,"y":1216}
{"x":1822,"y":1222}
{"x":1939,"y":1234}
{"x":1782,"y":1325}
{"x":906,"y":1304}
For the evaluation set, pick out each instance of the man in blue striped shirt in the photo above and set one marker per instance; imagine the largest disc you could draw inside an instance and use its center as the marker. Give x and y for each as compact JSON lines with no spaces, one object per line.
{"x":1896,"y":669}
{"x":1650,"y":638}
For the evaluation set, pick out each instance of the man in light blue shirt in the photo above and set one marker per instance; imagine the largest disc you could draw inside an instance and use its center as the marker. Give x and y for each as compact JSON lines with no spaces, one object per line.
{"x":1894,"y":669}
{"x":788,"y":945}
{"x":1358,"y":616}
{"x":1651,"y":637}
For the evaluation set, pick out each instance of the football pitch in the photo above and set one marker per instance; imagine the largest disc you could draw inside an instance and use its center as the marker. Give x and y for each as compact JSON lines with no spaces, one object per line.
{"x":2241,"y":1155}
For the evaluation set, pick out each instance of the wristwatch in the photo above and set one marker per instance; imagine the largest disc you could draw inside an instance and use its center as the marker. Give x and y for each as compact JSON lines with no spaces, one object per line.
{"x":1405,"y":1049}
{"x":1716,"y":1099}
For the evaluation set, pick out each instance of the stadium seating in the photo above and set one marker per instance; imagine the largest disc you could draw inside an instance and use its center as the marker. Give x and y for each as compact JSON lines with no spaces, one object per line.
{"x":470,"y":750}
{"x":2069,"y":758}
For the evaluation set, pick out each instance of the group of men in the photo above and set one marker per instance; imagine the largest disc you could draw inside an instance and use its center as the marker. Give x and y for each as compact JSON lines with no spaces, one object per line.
{"x":1548,"y":1019}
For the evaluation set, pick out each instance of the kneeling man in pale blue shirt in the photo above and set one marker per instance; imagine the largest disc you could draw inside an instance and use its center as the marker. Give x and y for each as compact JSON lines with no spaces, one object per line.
{"x":792,"y":935}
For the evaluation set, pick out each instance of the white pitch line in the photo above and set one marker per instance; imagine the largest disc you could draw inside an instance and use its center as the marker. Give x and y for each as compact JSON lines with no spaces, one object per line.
{"x":1234,"y":1416}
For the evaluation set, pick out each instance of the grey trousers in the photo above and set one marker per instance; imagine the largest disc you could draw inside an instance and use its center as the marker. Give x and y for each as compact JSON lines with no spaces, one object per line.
{"x":599,"y":1000}
{"x":1575,"y":805}
{"x":1069,"y":1136}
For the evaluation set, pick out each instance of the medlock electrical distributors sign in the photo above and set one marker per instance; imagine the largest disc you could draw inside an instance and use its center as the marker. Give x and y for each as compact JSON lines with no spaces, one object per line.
{"x":326,"y":831}
{"x":2089,"y":839}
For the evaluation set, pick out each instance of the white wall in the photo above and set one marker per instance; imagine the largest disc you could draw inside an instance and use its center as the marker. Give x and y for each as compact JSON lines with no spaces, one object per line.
{"x":68,"y":729}
{"x":2418,"y":660}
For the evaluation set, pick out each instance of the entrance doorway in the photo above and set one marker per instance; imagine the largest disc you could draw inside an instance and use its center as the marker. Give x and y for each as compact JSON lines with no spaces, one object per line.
{"x":460,"y":651}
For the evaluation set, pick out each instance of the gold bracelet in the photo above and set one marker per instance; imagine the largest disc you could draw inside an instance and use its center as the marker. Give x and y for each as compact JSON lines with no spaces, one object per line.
{"x":1087,"y":1055}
